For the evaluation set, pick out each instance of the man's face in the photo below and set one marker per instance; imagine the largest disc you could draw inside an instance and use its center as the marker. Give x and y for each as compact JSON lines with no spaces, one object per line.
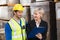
{"x":19,"y":14}
{"x":37,"y":15}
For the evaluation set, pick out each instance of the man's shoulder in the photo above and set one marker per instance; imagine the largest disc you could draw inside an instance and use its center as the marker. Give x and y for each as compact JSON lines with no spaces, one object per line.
{"x":7,"y":24}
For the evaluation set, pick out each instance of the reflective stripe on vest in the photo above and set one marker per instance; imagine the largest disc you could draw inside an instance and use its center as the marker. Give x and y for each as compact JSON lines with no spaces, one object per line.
{"x":16,"y":30}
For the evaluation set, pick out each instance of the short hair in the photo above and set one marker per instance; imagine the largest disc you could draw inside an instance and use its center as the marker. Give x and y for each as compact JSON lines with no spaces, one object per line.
{"x":15,"y":10}
{"x":40,"y":10}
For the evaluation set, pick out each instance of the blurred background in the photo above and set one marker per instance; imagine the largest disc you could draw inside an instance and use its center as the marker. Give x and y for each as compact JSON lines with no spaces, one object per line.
{"x":52,"y":15}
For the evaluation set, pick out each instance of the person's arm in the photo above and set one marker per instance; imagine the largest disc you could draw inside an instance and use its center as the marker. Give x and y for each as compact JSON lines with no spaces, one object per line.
{"x":43,"y":35}
{"x":8,"y":35}
{"x":39,"y":36}
{"x":27,"y":28}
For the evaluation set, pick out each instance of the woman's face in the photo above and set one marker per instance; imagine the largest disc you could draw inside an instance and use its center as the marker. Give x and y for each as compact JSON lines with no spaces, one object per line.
{"x":37,"y":15}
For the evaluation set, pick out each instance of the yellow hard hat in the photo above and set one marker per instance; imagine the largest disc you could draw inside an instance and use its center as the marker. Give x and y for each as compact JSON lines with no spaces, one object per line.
{"x":18,"y":7}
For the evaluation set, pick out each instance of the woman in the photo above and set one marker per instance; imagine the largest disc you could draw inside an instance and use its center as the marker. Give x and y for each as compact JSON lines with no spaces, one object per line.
{"x":37,"y":22}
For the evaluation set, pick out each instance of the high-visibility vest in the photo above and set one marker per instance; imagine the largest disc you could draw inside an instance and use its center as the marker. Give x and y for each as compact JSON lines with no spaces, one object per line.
{"x":17,"y":32}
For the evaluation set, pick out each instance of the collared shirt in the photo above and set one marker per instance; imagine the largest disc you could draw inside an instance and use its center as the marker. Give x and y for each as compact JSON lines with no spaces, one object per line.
{"x":37,"y":23}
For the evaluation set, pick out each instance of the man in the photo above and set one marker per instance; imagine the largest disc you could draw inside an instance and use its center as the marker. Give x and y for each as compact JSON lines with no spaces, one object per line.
{"x":37,"y":28}
{"x":15,"y":28}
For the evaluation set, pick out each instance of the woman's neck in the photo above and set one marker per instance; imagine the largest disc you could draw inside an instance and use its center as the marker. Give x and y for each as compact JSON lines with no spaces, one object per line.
{"x":38,"y":21}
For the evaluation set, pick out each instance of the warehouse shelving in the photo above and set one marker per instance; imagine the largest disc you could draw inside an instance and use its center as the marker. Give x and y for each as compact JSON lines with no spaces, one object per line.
{"x":3,"y":21}
{"x":28,"y":13}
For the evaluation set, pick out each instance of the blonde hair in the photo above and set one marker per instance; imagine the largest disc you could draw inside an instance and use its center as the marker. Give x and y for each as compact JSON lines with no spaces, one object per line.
{"x":40,"y":10}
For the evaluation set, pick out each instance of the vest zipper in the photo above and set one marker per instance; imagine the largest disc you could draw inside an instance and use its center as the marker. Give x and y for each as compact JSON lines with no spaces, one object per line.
{"x":22,"y":33}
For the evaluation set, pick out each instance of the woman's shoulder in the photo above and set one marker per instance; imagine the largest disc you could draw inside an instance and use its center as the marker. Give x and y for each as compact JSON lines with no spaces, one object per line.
{"x":32,"y":21}
{"x":44,"y":23}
